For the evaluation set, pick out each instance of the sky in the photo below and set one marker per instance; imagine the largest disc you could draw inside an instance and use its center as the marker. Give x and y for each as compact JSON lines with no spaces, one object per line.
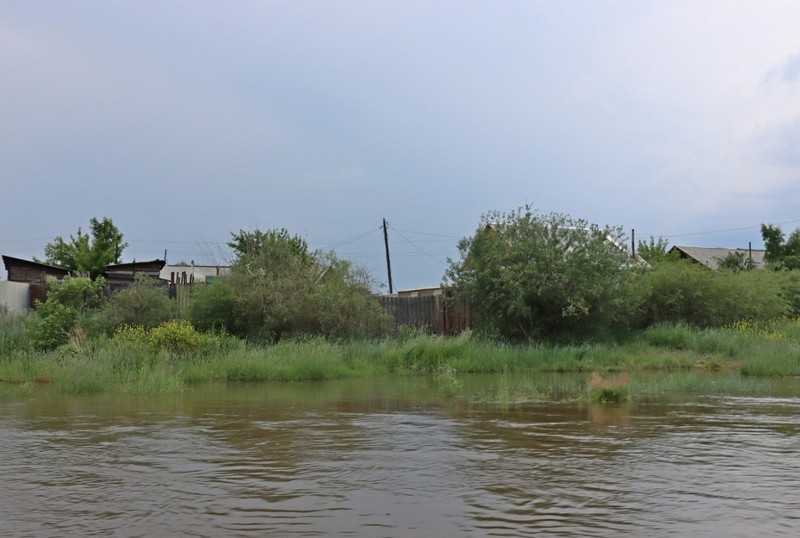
{"x":185,"y":121}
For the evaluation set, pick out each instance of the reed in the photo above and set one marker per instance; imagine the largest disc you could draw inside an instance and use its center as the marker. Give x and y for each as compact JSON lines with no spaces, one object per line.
{"x":153,"y":361}
{"x":13,"y":337}
{"x":775,"y":358}
{"x":610,"y":389}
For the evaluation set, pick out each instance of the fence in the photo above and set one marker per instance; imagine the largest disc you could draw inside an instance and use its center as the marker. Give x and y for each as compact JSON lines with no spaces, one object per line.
{"x":434,"y":314}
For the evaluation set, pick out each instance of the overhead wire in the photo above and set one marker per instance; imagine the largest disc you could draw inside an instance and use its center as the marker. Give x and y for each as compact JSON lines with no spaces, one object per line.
{"x":727,"y":230}
{"x":398,"y":232}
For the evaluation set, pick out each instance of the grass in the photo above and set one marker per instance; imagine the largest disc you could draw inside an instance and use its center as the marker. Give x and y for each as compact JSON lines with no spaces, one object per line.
{"x":132,"y":364}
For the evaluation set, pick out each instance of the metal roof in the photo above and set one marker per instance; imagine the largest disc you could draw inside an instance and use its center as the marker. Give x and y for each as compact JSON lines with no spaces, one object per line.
{"x":710,"y":257}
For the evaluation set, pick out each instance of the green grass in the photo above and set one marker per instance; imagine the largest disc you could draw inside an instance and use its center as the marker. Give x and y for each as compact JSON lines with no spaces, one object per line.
{"x":114,"y":364}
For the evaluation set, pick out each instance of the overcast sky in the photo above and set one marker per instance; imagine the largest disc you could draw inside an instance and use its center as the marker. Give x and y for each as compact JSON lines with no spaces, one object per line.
{"x":184,"y":121}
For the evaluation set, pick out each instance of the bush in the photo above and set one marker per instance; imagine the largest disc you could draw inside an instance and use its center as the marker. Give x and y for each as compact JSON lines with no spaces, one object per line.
{"x":144,"y":303}
{"x":177,"y":337}
{"x":50,"y":325}
{"x":277,"y":288}
{"x":682,"y":292}
{"x":53,"y":321}
{"x":531,"y":276}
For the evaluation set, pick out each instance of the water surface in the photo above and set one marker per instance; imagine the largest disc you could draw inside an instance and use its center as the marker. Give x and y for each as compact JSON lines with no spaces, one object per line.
{"x":395,"y":458}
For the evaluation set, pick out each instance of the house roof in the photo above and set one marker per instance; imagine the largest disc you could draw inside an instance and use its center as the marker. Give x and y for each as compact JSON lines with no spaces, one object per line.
{"x":126,"y":271}
{"x":710,"y":257}
{"x":27,"y":271}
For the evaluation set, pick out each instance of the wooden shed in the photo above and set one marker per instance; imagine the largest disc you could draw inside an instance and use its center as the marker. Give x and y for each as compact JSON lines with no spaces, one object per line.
{"x":121,"y":275}
{"x":29,"y":271}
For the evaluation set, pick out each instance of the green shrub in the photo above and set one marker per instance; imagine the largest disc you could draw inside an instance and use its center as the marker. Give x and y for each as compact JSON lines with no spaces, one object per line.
{"x":54,"y":320}
{"x":683,"y":292}
{"x":176,"y":337}
{"x":144,"y":303}
{"x":531,"y":276}
{"x":50,"y":325}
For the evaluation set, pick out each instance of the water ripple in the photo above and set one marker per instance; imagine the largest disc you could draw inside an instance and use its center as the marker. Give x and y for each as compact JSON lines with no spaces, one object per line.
{"x":718,"y":467}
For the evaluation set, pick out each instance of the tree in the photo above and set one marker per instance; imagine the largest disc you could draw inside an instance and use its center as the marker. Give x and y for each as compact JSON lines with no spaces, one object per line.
{"x":88,"y":253}
{"x":276,"y":286}
{"x":655,"y":250}
{"x":781,"y":254}
{"x":67,"y":301}
{"x":535,"y":276}
{"x":736,"y":262}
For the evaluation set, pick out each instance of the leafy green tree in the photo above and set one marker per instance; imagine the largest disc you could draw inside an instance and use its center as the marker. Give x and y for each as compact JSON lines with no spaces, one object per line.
{"x":655,"y":250}
{"x":88,"y":253}
{"x":736,"y":262}
{"x":276,"y":286}
{"x":53,"y":321}
{"x":780,"y":253}
{"x":533,"y":276}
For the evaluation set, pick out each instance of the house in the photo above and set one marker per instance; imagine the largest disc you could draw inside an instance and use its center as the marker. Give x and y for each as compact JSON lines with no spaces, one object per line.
{"x":187,"y":274}
{"x":420,"y":292}
{"x":711,"y":257}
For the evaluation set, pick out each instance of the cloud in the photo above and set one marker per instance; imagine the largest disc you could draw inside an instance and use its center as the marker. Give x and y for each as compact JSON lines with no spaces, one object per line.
{"x":788,"y":72}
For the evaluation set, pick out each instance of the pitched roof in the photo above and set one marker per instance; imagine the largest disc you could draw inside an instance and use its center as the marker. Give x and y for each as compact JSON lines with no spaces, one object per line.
{"x":710,"y":257}
{"x":20,"y":270}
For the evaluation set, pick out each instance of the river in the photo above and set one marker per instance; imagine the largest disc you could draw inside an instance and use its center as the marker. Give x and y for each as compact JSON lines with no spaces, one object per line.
{"x":395,"y":458}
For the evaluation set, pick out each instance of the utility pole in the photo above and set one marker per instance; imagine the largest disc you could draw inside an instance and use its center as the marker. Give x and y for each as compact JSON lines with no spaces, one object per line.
{"x":633,"y":242}
{"x":388,"y":260}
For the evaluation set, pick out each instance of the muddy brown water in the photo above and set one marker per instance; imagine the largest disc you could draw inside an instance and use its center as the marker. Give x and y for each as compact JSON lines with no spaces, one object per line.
{"x":394,"y":458}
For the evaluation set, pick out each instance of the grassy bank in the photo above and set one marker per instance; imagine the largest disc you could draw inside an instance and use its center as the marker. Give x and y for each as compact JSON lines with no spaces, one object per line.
{"x":164,"y":361}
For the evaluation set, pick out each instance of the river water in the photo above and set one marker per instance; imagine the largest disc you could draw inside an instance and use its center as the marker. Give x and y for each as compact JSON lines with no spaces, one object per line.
{"x":395,"y":458}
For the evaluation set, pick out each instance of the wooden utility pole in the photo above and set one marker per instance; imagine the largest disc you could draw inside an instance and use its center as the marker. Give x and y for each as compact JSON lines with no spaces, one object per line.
{"x":388,"y":260}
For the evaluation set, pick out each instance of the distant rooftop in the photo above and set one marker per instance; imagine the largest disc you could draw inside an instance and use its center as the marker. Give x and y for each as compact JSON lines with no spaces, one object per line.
{"x":710,"y":257}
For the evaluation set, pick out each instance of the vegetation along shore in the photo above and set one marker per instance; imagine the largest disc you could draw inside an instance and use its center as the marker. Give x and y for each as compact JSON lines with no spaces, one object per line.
{"x":550,"y":294}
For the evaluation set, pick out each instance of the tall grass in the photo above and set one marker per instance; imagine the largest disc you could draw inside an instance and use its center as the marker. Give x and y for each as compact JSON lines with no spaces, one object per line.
{"x":13,"y":337}
{"x":136,"y":362}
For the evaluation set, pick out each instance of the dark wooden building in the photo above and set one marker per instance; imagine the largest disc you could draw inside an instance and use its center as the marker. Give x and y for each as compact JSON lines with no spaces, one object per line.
{"x":28,"y":271}
{"x":121,"y":275}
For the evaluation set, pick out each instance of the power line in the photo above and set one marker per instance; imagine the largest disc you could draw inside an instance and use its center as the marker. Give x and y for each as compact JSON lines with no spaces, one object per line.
{"x":416,"y":246}
{"x":354,"y":238}
{"x":758,"y":226}
{"x":426,"y":233}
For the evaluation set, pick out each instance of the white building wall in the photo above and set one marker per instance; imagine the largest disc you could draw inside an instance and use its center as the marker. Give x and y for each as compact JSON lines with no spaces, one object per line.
{"x":14,"y":296}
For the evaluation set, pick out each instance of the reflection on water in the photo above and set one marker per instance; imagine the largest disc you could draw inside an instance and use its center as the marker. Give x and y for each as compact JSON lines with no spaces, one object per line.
{"x":395,"y":458}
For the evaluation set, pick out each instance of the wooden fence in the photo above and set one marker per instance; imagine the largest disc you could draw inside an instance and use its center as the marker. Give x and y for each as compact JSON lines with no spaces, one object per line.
{"x":433,"y":314}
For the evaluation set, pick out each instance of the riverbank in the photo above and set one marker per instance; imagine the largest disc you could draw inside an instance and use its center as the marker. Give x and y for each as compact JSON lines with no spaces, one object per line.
{"x":162,"y":361}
